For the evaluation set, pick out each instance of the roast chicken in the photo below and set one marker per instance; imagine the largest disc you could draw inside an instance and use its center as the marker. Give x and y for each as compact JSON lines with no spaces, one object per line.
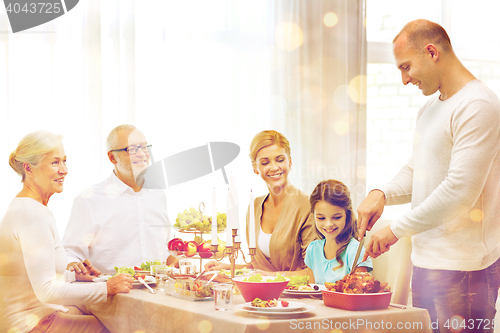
{"x":358,"y":283}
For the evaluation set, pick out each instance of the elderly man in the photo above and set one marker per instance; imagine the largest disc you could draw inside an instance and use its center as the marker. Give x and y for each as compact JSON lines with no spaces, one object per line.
{"x":453,"y":182}
{"x":117,"y":222}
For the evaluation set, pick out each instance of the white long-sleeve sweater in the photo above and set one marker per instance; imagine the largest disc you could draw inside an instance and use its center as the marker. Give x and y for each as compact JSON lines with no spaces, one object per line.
{"x":32,"y":268}
{"x":453,"y":182}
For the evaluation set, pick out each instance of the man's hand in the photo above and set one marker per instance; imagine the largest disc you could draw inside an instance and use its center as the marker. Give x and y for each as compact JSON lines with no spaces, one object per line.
{"x":379,"y":243}
{"x":120,"y":283}
{"x":369,"y":211}
{"x":84,"y":271}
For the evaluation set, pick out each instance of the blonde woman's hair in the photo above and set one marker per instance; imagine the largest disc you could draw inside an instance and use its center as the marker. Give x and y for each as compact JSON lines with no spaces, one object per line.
{"x":265,"y":139}
{"x":32,"y":149}
{"x":112,"y":140}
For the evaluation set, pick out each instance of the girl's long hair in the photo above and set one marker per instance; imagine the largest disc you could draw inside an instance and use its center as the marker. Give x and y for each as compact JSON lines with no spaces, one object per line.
{"x":336,"y":193}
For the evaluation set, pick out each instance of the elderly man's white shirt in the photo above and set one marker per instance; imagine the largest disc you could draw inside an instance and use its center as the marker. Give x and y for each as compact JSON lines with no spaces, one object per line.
{"x":112,"y":225}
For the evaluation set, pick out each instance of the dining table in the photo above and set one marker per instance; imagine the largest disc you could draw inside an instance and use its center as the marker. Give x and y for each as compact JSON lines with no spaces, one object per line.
{"x":140,"y":311}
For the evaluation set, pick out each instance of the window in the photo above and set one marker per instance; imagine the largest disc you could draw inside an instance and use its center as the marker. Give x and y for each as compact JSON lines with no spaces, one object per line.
{"x":392,"y":107}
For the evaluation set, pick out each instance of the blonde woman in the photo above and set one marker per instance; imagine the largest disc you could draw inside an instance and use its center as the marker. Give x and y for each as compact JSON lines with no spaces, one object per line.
{"x":284,"y":226}
{"x":33,"y":283}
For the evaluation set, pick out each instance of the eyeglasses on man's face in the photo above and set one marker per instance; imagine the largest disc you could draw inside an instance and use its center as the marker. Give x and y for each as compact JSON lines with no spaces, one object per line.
{"x":132,"y":150}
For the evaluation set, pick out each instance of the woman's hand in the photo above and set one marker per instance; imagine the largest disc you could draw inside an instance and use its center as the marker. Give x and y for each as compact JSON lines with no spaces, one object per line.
{"x":266,"y":273}
{"x":84,"y":271}
{"x":120,"y":283}
{"x":214,"y":265}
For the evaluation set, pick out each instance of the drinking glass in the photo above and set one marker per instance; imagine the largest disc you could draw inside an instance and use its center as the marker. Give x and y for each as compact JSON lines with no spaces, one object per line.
{"x":186,"y":267}
{"x":223,"y":296}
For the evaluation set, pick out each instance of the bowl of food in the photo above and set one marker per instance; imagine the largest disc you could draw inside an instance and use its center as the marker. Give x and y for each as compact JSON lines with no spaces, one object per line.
{"x":358,"y":291}
{"x":187,"y":288}
{"x":258,"y":286}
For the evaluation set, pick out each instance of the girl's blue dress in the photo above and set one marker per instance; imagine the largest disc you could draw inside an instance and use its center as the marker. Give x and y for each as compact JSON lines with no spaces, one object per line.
{"x":323,"y":268}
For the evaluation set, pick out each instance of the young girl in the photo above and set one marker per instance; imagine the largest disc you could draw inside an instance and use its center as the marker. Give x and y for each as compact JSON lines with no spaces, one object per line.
{"x":330,"y":258}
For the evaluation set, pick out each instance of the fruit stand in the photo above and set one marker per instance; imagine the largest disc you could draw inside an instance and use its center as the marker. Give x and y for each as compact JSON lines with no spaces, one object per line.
{"x":194,"y":222}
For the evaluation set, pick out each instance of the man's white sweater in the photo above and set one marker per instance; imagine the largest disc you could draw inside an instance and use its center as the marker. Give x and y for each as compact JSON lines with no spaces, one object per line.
{"x":453,"y":182}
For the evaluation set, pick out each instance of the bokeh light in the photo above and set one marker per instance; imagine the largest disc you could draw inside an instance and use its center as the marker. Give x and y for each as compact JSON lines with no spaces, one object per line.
{"x":87,"y":239}
{"x":4,"y":259}
{"x":457,"y":324}
{"x":111,"y":191}
{"x":205,"y":326}
{"x":420,"y":175}
{"x":14,"y":330}
{"x":88,"y":193}
{"x":476,"y":215}
{"x":263,"y":323}
{"x":358,"y":91}
{"x":330,"y":19}
{"x":288,"y":36}
{"x":417,"y":138}
{"x":31,"y":318}
{"x":341,"y":96}
{"x":341,"y":127}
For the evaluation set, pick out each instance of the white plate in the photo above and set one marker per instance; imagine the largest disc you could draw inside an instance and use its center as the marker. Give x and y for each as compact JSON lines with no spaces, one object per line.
{"x":292,"y":306}
{"x":305,"y":292}
{"x":304,"y":309}
{"x":148,"y":279}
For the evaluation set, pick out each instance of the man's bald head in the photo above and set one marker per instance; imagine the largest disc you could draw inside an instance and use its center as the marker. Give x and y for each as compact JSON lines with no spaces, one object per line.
{"x":419,"y":33}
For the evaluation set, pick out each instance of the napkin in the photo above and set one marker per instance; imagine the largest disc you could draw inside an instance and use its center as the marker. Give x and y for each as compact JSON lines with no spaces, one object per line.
{"x":102,"y":278}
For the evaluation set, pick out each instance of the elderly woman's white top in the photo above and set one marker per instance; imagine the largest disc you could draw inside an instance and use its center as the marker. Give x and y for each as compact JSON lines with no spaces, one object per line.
{"x":32,"y":268}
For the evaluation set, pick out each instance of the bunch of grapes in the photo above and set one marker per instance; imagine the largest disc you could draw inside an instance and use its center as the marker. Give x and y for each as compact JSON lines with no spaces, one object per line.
{"x":191,"y":220}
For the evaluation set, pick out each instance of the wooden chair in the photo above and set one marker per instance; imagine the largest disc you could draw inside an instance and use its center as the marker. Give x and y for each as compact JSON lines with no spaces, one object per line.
{"x":394,"y":266}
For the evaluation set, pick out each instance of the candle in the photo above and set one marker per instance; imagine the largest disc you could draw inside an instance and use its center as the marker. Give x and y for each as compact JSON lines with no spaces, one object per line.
{"x":251,"y":243}
{"x":214,"y":218}
{"x":229,"y":217}
{"x":235,"y":223}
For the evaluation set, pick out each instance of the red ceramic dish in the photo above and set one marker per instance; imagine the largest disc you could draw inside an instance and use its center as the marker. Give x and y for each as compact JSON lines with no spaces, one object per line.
{"x":262,"y":290}
{"x":356,"y":301}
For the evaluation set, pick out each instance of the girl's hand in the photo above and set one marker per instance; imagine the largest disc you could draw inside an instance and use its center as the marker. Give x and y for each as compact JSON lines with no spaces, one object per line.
{"x":121,"y":283}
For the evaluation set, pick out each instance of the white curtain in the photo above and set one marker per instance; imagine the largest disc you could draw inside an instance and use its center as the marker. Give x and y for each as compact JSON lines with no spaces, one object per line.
{"x":187,"y":73}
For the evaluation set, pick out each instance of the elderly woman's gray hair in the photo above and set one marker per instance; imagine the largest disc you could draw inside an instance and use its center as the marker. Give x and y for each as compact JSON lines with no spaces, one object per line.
{"x":32,"y":149}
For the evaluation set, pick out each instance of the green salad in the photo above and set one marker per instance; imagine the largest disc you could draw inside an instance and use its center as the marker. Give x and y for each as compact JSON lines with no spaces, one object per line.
{"x":258,"y":278}
{"x":147,"y":265}
{"x":125,"y":269}
{"x":296,"y":281}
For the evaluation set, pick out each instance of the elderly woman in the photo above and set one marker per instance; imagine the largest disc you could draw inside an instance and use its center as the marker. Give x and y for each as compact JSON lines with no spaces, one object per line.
{"x":33,"y":285}
{"x":284,"y":226}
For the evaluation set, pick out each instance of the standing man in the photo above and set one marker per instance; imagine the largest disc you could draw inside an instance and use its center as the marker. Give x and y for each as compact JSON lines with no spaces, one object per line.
{"x":117,"y":222}
{"x":453,"y":182}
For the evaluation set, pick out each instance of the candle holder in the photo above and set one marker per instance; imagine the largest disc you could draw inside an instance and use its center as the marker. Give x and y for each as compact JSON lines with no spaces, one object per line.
{"x":233,"y":252}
